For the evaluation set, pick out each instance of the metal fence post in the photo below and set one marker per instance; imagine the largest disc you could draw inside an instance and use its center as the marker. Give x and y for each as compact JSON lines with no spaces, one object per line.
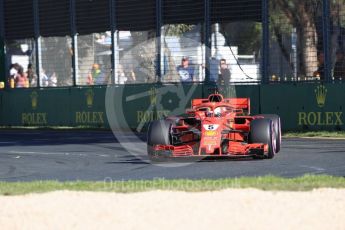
{"x":265,"y":42}
{"x":113,"y":40}
{"x":326,"y":40}
{"x":158,"y":39}
{"x":207,"y":39}
{"x":2,"y":20}
{"x":37,"y":41}
{"x":74,"y":42}
{"x":2,"y":43}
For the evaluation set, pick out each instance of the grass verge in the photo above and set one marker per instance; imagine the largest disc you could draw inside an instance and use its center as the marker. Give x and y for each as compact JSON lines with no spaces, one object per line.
{"x":326,"y":134}
{"x":271,"y":183}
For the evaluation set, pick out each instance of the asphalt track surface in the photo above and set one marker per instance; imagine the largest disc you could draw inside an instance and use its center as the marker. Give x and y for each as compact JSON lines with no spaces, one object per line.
{"x":97,"y":155}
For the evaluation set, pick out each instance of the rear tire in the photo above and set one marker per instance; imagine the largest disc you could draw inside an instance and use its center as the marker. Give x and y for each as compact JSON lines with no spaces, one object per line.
{"x":277,"y":128}
{"x":262,"y":131}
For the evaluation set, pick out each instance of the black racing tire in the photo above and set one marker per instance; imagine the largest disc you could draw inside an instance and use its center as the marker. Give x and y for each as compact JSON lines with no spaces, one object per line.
{"x":224,"y":146}
{"x":159,"y":133}
{"x":277,"y":128}
{"x":262,"y":131}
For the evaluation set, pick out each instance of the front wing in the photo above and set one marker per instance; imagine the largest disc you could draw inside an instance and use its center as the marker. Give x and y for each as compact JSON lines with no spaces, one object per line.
{"x":235,"y":149}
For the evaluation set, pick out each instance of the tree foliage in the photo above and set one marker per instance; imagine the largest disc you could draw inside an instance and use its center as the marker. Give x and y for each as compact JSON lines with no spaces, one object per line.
{"x":178,"y":29}
{"x":304,"y":17}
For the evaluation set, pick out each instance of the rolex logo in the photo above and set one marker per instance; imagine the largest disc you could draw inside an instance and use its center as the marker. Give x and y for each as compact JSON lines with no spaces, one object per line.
{"x":321,"y":93}
{"x":89,"y":98}
{"x":34,"y":99}
{"x":153,"y":96}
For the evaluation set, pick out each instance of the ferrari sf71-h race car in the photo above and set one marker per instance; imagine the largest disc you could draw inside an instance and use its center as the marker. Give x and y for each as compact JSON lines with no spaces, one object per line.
{"x":215,"y":127}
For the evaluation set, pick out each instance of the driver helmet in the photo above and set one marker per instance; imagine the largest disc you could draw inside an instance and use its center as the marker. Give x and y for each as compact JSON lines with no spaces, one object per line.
{"x":217,"y":112}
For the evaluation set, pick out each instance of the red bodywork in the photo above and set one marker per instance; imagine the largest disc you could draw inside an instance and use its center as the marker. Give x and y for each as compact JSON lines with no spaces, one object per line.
{"x":215,"y":127}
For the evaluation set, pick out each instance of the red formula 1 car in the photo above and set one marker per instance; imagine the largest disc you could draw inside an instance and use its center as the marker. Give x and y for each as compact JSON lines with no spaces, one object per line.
{"x":215,"y":127}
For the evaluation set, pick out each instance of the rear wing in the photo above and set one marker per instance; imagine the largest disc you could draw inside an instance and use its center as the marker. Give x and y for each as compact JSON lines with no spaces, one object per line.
{"x":239,"y":103}
{"x":196,"y":102}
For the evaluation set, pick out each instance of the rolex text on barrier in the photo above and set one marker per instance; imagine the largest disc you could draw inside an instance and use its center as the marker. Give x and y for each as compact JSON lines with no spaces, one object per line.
{"x":89,"y":117}
{"x":321,"y":118}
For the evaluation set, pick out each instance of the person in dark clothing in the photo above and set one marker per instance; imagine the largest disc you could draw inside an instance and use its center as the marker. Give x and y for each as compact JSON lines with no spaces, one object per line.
{"x":224,"y":73}
{"x":319,"y":74}
{"x":31,"y":76}
{"x":339,"y":67}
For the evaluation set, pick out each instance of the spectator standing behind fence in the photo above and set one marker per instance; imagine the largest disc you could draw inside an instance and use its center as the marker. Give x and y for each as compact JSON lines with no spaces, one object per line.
{"x":44,"y":80}
{"x":224,"y":73}
{"x":89,"y":80}
{"x":121,"y":75}
{"x":100,"y":78}
{"x":320,"y":72}
{"x":13,"y":75}
{"x":339,"y":67}
{"x":95,"y":76}
{"x":131,"y":77}
{"x":31,"y":76}
{"x":53,"y":80}
{"x":21,"y":79}
{"x":185,"y":71}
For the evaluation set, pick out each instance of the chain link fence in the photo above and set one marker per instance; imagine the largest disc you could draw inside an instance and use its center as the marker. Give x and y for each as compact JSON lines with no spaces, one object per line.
{"x":87,"y":42}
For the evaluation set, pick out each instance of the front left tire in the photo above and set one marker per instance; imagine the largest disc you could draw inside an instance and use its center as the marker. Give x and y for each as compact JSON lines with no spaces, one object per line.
{"x":262,"y":131}
{"x":159,"y":133}
{"x":277,"y":128}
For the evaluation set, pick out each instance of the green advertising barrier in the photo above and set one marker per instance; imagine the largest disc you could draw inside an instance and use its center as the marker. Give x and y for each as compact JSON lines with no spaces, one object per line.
{"x":87,"y":107}
{"x":306,"y":106}
{"x":53,"y":107}
{"x":26,"y":107}
{"x":134,"y":106}
{"x":301,"y":106}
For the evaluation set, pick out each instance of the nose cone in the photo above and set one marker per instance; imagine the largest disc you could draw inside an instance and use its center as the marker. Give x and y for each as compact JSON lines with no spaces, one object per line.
{"x":211,"y":137}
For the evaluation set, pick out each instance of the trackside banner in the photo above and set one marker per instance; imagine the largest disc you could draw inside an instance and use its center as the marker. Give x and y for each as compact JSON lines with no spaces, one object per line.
{"x":301,"y":107}
{"x":306,"y":107}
